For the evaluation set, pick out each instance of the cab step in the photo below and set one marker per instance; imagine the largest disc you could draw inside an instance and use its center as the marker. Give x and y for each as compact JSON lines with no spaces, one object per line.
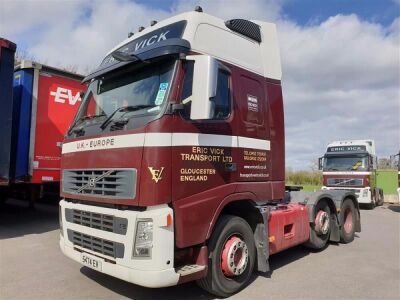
{"x":189,"y":269}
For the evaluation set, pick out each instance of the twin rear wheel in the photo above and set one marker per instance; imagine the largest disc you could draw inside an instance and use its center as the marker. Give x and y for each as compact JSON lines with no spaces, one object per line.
{"x":231,"y":257}
{"x":321,"y":229}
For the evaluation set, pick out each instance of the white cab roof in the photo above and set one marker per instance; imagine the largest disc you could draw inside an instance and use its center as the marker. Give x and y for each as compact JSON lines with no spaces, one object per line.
{"x":370,"y":144}
{"x":209,"y":35}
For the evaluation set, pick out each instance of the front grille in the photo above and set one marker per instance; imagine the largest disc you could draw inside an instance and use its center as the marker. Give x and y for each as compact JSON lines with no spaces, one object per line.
{"x":97,"y":221}
{"x":107,"y":183}
{"x":345,"y":182}
{"x":98,"y":245}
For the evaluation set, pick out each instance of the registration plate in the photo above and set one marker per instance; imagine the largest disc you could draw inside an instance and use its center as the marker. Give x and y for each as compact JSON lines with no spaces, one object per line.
{"x":91,"y":261}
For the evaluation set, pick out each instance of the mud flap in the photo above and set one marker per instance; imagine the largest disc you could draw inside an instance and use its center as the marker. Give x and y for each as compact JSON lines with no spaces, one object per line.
{"x":335,"y":229}
{"x":261,"y":241}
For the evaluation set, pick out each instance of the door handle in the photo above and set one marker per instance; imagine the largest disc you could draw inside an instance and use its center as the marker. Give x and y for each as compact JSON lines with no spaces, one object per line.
{"x":230,"y":167}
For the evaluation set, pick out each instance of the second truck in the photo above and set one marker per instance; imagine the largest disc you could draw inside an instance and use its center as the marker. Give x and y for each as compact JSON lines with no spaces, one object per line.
{"x":173,"y":169}
{"x":352,"y":165}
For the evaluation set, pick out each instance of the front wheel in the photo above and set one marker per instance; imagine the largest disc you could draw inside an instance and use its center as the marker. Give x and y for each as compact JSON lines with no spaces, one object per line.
{"x":373,"y":203}
{"x":231,"y":257}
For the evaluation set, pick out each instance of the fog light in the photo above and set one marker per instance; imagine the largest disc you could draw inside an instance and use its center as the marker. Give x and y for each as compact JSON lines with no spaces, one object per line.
{"x":143,"y":238}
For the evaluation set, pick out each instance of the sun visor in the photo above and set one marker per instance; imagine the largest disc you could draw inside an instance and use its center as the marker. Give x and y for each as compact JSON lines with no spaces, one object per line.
{"x":346,"y":153}
{"x":165,"y":40}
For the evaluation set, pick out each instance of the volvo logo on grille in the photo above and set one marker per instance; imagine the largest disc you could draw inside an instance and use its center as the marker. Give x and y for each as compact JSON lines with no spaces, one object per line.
{"x":93,"y":180}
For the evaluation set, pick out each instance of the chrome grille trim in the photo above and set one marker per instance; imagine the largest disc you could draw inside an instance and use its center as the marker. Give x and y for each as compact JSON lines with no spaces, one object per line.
{"x":104,"y":183}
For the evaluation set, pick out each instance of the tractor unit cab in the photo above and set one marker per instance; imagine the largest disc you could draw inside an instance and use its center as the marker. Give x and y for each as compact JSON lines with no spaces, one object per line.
{"x":352,"y":165}
{"x":173,"y":168}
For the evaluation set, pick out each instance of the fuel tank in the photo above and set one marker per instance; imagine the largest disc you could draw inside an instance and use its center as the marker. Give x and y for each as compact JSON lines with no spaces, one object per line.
{"x":288,"y":226}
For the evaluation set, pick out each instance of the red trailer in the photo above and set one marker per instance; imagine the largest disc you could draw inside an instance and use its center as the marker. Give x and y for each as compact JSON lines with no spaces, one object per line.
{"x":44,"y":102}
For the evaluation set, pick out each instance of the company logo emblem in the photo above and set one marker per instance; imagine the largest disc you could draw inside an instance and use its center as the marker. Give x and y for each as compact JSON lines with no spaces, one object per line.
{"x":156,"y":173}
{"x":92,"y":182}
{"x":61,"y":95}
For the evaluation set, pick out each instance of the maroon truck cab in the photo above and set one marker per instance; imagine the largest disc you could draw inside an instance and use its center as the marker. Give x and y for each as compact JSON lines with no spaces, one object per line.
{"x":352,"y":165}
{"x":173,"y":167}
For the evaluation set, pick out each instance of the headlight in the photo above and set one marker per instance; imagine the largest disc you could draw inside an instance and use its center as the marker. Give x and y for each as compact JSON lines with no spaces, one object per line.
{"x":144,"y":238}
{"x":365,"y":193}
{"x":60,"y":220}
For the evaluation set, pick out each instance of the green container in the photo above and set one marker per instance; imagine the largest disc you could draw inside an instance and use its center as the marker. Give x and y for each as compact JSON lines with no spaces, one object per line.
{"x":387,"y":180}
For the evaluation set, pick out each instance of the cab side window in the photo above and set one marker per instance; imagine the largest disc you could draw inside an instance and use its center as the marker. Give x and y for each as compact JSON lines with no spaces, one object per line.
{"x":222,"y":100}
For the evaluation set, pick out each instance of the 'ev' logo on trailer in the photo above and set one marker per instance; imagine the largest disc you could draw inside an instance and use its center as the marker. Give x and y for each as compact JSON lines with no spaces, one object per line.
{"x":61,"y":95}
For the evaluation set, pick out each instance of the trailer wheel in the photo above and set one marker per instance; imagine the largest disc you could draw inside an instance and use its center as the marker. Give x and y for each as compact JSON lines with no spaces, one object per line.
{"x":321,"y":229}
{"x":347,"y":219}
{"x":231,"y":258}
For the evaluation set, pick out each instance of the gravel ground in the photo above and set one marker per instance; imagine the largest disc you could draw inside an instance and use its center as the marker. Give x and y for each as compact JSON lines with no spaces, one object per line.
{"x":33,"y":267}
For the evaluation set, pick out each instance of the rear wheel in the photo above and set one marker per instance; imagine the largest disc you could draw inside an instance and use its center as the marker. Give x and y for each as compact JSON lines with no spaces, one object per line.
{"x":321,"y":229}
{"x":347,"y":219}
{"x":381,"y":197}
{"x":231,"y":259}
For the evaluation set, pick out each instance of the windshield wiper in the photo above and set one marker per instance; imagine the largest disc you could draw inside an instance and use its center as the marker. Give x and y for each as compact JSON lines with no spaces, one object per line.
{"x":123,"y":108}
{"x":122,"y":56}
{"x":84,"y":118}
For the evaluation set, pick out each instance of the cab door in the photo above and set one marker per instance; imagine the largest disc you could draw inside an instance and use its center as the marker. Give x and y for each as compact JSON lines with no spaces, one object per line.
{"x":204,"y":159}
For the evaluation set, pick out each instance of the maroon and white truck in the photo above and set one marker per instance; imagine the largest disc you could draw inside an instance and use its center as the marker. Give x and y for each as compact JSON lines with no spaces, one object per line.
{"x":173,"y":169}
{"x":352,"y":165}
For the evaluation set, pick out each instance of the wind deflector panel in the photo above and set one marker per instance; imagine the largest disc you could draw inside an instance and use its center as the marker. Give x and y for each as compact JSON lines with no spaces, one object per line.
{"x":245,"y":27}
{"x":7,"y":111}
{"x":159,"y":42}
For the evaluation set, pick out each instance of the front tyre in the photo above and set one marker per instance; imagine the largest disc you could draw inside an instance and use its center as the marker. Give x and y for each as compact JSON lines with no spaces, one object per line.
{"x":231,"y":257}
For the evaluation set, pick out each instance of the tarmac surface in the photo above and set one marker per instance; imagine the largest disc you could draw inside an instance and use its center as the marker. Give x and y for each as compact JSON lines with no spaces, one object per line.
{"x":33,"y":267}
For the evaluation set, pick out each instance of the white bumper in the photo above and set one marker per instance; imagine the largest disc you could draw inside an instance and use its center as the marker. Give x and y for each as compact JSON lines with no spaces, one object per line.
{"x":157,"y":271}
{"x":363,"y":194}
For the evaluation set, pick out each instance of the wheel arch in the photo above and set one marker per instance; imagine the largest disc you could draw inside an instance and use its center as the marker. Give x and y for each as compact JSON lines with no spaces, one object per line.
{"x":244,"y":205}
{"x":245,"y":201}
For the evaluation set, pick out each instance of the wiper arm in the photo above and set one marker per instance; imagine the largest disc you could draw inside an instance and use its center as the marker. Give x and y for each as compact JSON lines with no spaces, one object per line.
{"x":83,"y":118}
{"x":122,"y":56}
{"x":120,"y":109}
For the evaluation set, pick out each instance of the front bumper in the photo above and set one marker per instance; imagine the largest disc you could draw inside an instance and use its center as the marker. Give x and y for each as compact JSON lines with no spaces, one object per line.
{"x":363,"y":194}
{"x":156,"y":271}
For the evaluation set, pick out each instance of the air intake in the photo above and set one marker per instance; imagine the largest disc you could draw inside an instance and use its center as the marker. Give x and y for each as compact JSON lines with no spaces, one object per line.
{"x":245,"y":27}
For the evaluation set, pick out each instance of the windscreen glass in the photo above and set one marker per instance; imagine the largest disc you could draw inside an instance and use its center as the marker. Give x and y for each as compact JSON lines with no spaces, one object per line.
{"x":138,"y":93}
{"x":349,"y":163}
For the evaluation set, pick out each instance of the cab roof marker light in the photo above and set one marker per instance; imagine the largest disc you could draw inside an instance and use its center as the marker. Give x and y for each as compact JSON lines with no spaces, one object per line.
{"x":198,"y":9}
{"x":152,"y":23}
{"x":141,"y":28}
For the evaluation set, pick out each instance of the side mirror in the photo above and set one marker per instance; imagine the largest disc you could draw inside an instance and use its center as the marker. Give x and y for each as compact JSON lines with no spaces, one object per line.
{"x":320,"y":163}
{"x":204,"y":87}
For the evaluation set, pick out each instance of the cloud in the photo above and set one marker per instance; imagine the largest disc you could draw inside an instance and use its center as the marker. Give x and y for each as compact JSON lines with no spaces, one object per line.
{"x":340,"y":75}
{"x":341,"y":81}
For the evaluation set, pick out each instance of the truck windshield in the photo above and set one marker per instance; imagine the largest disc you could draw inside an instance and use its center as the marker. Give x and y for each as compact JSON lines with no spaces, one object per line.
{"x":140,"y":92}
{"x":347,"y":163}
